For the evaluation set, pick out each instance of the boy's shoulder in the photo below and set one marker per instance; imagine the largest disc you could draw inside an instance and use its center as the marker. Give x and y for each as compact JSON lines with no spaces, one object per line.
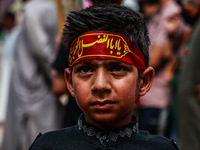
{"x":53,"y":138}
{"x":155,"y":141}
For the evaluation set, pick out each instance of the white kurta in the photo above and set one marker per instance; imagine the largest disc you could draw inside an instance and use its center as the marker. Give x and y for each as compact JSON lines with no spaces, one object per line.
{"x":31,"y":105}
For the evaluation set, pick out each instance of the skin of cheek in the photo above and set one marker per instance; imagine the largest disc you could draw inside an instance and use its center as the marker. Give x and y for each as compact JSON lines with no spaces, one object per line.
{"x":80,"y":93}
{"x":128,"y":88}
{"x":121,"y":88}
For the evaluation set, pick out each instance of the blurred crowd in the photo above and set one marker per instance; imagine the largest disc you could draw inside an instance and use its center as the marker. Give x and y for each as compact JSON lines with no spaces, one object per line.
{"x":33,"y":93}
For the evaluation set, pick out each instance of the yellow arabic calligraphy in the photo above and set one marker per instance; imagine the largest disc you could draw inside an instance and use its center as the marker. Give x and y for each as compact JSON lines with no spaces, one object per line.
{"x":105,"y":39}
{"x":80,"y":45}
{"x":77,"y":47}
{"x":101,"y":40}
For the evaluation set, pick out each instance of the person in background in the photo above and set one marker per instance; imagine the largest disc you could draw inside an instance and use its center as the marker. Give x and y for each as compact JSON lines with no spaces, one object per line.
{"x":188,"y":103}
{"x":8,"y":36}
{"x":153,"y":108}
{"x":149,"y":8}
{"x":8,"y":21}
{"x":69,"y":110}
{"x":178,"y":34}
{"x":31,"y":104}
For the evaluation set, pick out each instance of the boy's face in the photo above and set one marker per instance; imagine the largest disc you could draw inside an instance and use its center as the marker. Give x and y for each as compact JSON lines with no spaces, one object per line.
{"x":104,"y":80}
{"x":105,"y":90}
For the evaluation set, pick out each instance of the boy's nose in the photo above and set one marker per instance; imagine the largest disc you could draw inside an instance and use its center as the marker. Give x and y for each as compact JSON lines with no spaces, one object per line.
{"x":101,"y":81}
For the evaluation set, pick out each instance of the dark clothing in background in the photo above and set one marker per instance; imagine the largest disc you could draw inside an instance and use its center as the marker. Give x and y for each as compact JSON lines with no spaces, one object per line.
{"x":71,"y":113}
{"x":188,"y":103}
{"x":61,"y":60}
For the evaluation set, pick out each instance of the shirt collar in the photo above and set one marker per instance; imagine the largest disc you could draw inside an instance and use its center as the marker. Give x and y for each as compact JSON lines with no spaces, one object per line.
{"x":125,"y":131}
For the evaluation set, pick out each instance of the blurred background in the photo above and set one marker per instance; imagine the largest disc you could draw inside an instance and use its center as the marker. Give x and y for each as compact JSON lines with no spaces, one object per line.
{"x":33,"y":94}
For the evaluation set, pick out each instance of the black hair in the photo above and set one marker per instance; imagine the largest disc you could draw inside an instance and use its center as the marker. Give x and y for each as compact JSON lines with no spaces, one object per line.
{"x":106,"y":17}
{"x":9,"y":14}
{"x":60,"y":63}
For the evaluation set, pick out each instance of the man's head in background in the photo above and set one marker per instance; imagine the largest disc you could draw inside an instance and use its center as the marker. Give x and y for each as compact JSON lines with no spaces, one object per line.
{"x":191,"y":10}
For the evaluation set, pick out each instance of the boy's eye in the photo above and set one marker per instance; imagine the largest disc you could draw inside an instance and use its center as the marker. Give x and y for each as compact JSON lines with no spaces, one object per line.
{"x":85,"y":69}
{"x":118,"y":68}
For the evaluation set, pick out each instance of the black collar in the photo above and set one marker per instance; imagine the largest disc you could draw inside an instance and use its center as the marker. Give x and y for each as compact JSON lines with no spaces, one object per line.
{"x":111,"y":135}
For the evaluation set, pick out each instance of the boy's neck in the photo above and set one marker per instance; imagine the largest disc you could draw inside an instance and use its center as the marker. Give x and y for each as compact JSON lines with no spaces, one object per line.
{"x":107,"y":126}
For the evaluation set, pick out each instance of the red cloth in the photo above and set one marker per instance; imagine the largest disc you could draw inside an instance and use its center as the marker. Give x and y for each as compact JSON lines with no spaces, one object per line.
{"x":105,"y":45}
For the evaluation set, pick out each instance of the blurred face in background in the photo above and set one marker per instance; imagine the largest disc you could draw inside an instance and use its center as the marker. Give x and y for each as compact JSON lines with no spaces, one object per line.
{"x":8,"y":21}
{"x":190,"y":12}
{"x":172,"y":23}
{"x":149,"y":7}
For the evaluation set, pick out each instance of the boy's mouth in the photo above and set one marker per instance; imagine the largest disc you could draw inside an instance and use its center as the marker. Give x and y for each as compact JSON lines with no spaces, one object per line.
{"x":103,"y":104}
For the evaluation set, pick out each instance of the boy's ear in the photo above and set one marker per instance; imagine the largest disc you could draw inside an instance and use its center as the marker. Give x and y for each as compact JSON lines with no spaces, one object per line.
{"x":146,"y":81}
{"x":68,"y":79}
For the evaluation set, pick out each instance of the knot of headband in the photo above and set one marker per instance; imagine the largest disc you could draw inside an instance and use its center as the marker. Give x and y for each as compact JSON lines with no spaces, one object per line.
{"x":105,"y":45}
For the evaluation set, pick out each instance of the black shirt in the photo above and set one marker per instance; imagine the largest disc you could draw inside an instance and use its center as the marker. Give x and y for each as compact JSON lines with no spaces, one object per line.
{"x":85,"y":136}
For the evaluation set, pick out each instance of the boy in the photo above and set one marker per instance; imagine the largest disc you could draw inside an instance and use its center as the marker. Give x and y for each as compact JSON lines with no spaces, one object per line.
{"x":108,"y":71}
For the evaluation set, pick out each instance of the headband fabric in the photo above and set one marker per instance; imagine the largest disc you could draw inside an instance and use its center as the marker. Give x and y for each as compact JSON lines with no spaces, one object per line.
{"x":105,"y":45}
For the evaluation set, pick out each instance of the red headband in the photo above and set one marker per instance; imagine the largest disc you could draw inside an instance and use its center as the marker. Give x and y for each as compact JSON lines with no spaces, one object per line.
{"x":105,"y":45}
